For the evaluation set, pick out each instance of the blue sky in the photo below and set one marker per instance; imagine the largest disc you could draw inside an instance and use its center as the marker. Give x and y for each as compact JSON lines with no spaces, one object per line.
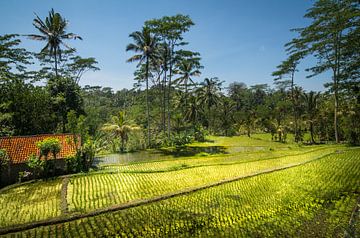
{"x":238,"y":40}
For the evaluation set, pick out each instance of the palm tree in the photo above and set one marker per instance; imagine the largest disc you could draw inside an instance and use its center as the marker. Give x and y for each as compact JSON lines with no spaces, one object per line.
{"x":227,"y":110}
{"x":186,"y":69}
{"x":209,"y":94}
{"x":311,"y":103}
{"x":120,"y":127}
{"x":145,"y":45}
{"x":194,"y":111}
{"x":53,"y":31}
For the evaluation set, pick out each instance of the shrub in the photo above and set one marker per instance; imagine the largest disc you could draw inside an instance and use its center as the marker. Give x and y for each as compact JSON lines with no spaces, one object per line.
{"x":36,"y":164}
{"x":24,"y":176}
{"x":4,"y":161}
{"x":49,"y":145}
{"x":72,"y":164}
{"x":83,"y":159}
{"x":200,"y":133}
{"x":182,"y":139}
{"x":88,"y":151}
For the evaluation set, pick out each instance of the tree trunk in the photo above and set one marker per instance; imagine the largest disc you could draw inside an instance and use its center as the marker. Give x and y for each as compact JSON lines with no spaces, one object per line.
{"x":122,"y":146}
{"x":336,"y":71}
{"x":169,"y":92}
{"x":186,"y":93}
{"x":56,"y":68}
{"x":335,"y":116}
{"x":147,"y":101}
{"x":312,"y":132}
{"x":164,"y":102}
{"x":294,"y":107}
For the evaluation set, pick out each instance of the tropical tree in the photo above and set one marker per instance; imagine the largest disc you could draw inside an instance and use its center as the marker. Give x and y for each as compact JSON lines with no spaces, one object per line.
{"x":286,"y":70}
{"x":170,"y":30}
{"x":12,"y":58}
{"x":120,"y":127}
{"x":194,"y":111}
{"x":187,"y":69}
{"x":78,"y":66}
{"x":328,"y":38}
{"x":66,"y":96}
{"x":209,"y":95}
{"x":227,"y":114}
{"x":53,"y":31}
{"x":145,"y":45}
{"x":311,"y":105}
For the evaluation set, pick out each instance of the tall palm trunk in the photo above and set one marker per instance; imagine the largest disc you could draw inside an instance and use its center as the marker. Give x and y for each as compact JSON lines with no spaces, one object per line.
{"x":312,"y":132}
{"x":147,"y":101}
{"x":186,"y":93}
{"x":164,"y":102}
{"x":56,"y":63}
{"x":122,"y":146}
{"x":336,"y":111}
{"x":296,"y":132}
{"x":336,"y":72}
{"x":169,"y":91}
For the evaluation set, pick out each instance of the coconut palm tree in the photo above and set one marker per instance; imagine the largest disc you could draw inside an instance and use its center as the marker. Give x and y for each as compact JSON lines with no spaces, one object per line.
{"x":145,"y":46}
{"x":311,"y":105}
{"x":194,"y":111}
{"x":227,"y":114}
{"x":120,"y":127}
{"x":53,"y":31}
{"x":209,"y":94}
{"x":186,"y":69}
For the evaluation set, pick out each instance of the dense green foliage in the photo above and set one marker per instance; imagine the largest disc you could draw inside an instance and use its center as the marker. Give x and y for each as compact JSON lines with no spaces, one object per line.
{"x":171,"y":110}
{"x":174,"y":105}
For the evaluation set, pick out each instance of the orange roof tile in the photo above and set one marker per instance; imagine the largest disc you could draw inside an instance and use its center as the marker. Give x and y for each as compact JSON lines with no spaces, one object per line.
{"x":19,"y":148}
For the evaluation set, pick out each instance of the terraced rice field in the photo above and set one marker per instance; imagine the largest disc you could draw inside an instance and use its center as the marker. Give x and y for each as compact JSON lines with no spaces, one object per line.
{"x":288,"y":191}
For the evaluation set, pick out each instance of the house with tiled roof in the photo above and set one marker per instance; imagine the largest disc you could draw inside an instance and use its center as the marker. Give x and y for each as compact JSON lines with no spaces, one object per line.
{"x":19,"y":148}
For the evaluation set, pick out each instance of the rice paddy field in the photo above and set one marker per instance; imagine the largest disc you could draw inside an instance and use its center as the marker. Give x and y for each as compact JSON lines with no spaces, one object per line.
{"x":252,"y":188}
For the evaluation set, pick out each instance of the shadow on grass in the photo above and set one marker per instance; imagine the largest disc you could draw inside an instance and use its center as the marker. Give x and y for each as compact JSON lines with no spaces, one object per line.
{"x":186,"y":151}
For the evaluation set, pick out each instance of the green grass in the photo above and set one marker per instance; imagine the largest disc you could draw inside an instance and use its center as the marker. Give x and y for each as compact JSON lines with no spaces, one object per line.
{"x":242,"y":207}
{"x":30,"y":202}
{"x":312,"y":200}
{"x":87,"y":193}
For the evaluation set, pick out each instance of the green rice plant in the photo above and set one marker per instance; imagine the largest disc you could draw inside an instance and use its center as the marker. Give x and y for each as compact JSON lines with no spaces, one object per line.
{"x":30,"y":202}
{"x":108,"y":189}
{"x":311,"y":200}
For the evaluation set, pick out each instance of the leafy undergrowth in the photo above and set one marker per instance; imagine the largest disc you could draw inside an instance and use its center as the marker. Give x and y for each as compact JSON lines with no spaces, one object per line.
{"x":312,"y":200}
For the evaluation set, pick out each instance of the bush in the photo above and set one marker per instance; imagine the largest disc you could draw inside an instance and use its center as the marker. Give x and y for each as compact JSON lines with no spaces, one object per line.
{"x":4,"y":161}
{"x":49,"y":145}
{"x":36,"y":164}
{"x":88,"y":151}
{"x":83,"y":159}
{"x":136,"y":141}
{"x":200,"y":133}
{"x":73,"y":164}
{"x":24,"y":176}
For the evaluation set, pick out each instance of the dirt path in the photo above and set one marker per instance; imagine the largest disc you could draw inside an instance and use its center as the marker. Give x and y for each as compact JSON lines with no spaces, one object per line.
{"x":63,"y":196}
